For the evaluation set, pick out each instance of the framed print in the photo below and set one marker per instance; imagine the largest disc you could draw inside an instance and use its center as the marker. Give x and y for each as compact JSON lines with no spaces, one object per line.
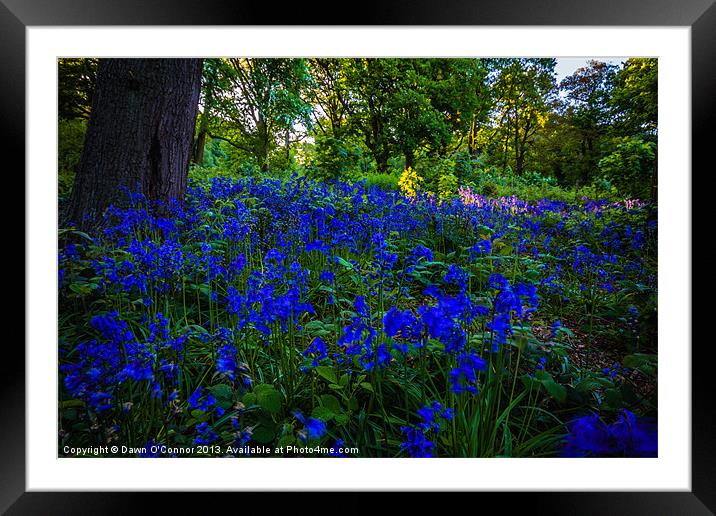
{"x":417,"y":253}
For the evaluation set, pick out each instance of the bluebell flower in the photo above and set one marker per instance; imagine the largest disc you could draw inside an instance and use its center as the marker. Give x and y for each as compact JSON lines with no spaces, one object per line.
{"x":150,"y":450}
{"x":226,"y":361}
{"x":195,"y":398}
{"x":463,"y":378}
{"x":318,"y":349}
{"x":205,"y":434}
{"x":628,"y":436}
{"x":315,"y":428}
{"x":416,"y":444}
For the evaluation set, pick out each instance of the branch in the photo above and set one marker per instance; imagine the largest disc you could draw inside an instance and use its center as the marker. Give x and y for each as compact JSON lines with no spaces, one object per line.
{"x":230,"y":142}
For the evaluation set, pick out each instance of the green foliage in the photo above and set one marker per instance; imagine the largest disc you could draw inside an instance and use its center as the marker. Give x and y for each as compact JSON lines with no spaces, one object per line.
{"x":447,"y":186}
{"x":70,"y":139}
{"x":335,"y":159}
{"x":635,"y":96}
{"x":524,"y":93}
{"x":497,"y":125}
{"x":257,"y":101}
{"x":630,"y":166}
{"x":384,"y":181}
{"x":76,"y":78}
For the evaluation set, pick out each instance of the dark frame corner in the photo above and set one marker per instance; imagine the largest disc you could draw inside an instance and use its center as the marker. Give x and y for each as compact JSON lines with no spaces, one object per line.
{"x":700,"y":15}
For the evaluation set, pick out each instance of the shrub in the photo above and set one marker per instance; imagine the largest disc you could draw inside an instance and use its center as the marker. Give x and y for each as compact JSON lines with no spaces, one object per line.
{"x":335,"y":159}
{"x":384,"y":181}
{"x":410,"y":182}
{"x":630,"y":166}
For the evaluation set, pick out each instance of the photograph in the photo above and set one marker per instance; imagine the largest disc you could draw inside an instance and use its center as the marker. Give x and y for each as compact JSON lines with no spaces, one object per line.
{"x":357,"y":257}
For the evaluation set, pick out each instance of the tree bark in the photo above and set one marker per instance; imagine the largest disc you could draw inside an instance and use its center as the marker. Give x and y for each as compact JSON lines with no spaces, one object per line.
{"x":409,"y":158}
{"x":472,"y":143}
{"x":139,"y":136}
{"x":198,"y":157}
{"x":198,"y":154}
{"x":262,"y":145}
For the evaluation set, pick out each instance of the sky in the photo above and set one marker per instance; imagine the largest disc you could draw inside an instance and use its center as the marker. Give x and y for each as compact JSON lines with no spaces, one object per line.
{"x":566,"y":66}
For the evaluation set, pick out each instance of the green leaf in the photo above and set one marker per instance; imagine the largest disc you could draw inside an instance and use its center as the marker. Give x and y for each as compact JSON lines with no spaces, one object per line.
{"x":508,"y":441}
{"x":638,"y":360}
{"x":200,"y":415}
{"x":312,"y":326}
{"x":205,"y":290}
{"x":344,"y":263}
{"x":249,"y":399}
{"x":327,"y":373}
{"x":587,"y":385}
{"x":555,"y":390}
{"x":367,"y":386}
{"x":224,"y":395}
{"x":263,"y":435}
{"x":506,"y":250}
{"x":222,"y":391}
{"x":263,"y":387}
{"x":286,"y":440}
{"x":613,"y":398}
{"x":69,"y":414}
{"x":72,"y":403}
{"x":322,"y":413}
{"x":331,"y":402}
{"x":269,"y":400}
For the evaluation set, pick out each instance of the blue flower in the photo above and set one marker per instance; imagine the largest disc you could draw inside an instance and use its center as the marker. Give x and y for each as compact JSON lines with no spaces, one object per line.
{"x":416,"y":444}
{"x":150,"y":450}
{"x":195,"y":397}
{"x":396,"y":321}
{"x":314,"y":428}
{"x":226,"y":361}
{"x":628,"y":436}
{"x":463,"y":378}
{"x":317,"y":348}
{"x":205,"y":434}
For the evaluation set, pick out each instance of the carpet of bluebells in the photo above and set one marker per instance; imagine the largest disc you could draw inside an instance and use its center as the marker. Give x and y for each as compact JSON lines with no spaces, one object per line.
{"x":291,"y":313}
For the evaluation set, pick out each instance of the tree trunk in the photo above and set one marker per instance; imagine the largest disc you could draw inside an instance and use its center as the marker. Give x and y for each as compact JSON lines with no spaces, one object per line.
{"x":139,"y":136}
{"x":198,"y":157}
{"x":471,"y":143}
{"x":262,"y":145}
{"x":409,"y":158}
{"x":519,"y":163}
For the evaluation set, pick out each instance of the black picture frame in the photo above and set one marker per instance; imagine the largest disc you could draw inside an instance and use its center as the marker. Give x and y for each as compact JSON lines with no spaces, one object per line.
{"x":700,"y":15}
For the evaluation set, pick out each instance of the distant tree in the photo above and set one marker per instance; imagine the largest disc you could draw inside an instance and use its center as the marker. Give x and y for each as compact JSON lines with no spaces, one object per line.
{"x":372,"y":82}
{"x":635,"y":97}
{"x":402,"y":106}
{"x":439,"y":100}
{"x":524,"y":94}
{"x":139,"y":135}
{"x":587,"y":114}
{"x":260,"y":102}
{"x":629,"y":166}
{"x":636,"y":109}
{"x":211,"y":84}
{"x":329,"y":96}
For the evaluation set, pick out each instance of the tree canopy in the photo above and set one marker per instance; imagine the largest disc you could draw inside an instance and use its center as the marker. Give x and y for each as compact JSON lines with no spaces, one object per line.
{"x":351,"y":117}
